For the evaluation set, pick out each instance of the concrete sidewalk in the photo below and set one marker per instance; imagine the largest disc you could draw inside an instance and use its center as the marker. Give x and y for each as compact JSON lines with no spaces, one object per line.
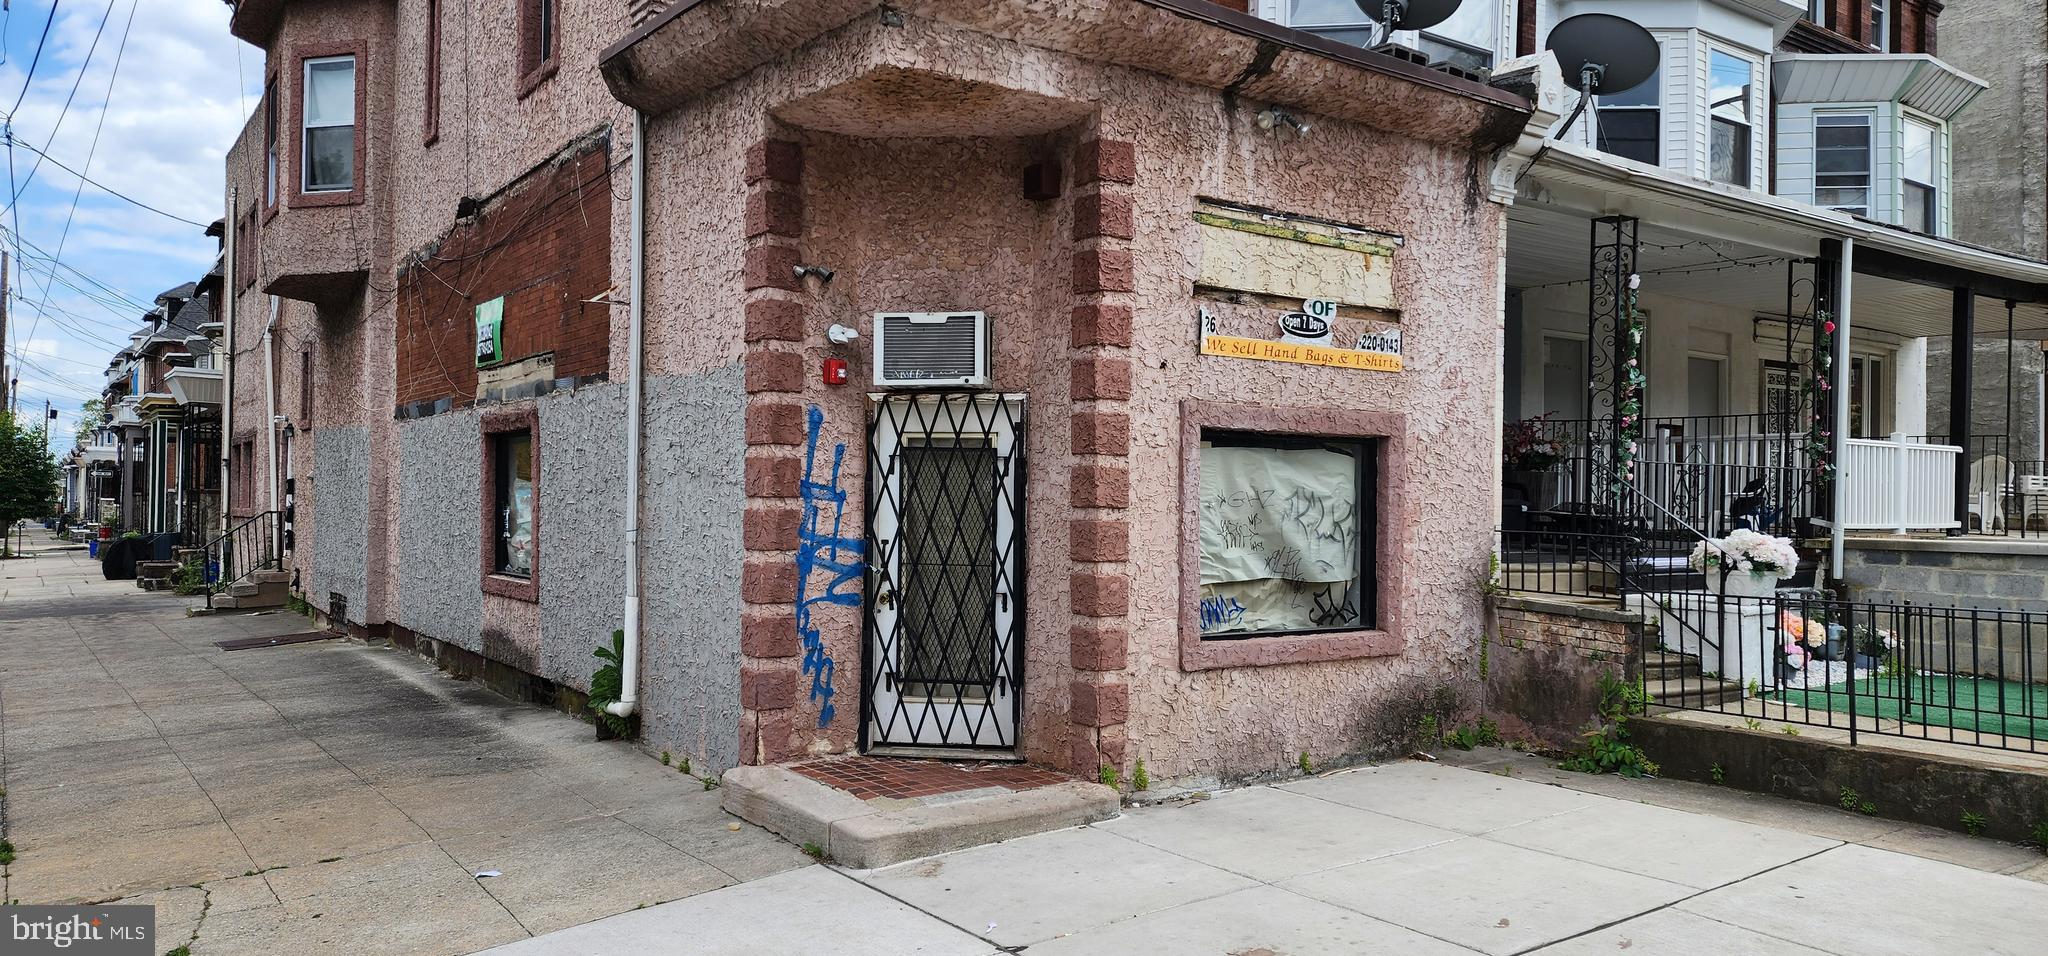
{"x":1409,"y":858}
{"x":317,"y":798}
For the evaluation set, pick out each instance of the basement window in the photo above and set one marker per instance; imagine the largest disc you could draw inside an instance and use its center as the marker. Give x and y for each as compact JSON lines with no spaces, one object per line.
{"x":1288,"y":534}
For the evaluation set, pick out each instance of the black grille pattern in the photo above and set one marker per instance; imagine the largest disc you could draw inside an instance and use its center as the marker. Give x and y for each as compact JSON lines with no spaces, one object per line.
{"x":940,"y":669}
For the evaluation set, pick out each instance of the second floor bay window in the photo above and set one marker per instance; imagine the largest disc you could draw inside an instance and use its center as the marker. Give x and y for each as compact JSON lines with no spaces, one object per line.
{"x":1628,"y":122}
{"x":329,"y":124}
{"x":1729,"y":84}
{"x":1919,"y":172}
{"x":1469,"y":39}
{"x":1842,"y":164}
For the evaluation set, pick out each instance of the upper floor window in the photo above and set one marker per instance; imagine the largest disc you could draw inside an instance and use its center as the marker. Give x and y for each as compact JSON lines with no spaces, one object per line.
{"x":330,"y":124}
{"x":1628,"y":123}
{"x":431,"y":101}
{"x":1728,"y":92}
{"x":1841,"y":162}
{"x":538,"y":44}
{"x":1468,"y":40}
{"x":270,"y":143}
{"x":1919,"y":177}
{"x":1880,"y":24}
{"x":1817,"y":11}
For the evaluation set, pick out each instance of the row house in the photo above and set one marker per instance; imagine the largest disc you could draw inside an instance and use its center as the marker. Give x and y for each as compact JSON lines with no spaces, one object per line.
{"x":156,"y":457}
{"x":1084,"y":383}
{"x":1078,"y":382}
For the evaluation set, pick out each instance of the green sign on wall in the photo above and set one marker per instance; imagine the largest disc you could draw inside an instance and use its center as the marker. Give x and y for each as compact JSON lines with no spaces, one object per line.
{"x":490,"y":332}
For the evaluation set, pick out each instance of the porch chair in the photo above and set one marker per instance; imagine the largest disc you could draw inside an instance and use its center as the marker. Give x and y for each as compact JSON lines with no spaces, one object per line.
{"x":1990,"y":484}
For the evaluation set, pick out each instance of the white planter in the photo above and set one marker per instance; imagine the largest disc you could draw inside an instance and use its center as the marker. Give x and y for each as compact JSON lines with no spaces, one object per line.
{"x":1744,"y":583}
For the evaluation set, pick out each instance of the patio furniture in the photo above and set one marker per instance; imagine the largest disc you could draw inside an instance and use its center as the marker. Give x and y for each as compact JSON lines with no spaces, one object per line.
{"x":1990,"y":483}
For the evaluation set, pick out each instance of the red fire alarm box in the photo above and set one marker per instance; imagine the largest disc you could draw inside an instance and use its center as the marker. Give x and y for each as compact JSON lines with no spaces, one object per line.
{"x":835,"y":371}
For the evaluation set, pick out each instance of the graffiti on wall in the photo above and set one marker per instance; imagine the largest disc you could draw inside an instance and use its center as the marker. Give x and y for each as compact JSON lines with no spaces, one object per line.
{"x":822,"y":548}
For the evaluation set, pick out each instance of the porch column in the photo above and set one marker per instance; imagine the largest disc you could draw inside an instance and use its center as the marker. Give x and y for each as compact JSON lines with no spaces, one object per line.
{"x":1962,"y":351}
{"x":1843,"y":254}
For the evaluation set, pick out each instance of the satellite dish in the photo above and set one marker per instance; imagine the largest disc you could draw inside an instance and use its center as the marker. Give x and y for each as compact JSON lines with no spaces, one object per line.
{"x":1603,"y":54}
{"x":1407,"y":14}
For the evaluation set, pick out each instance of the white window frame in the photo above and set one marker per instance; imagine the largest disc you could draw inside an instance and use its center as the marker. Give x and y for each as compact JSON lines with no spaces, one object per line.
{"x":1938,"y":167}
{"x":1656,"y":110}
{"x":1503,"y":39}
{"x":306,"y":125}
{"x":1881,"y":12}
{"x":1753,"y":116}
{"x":1869,"y":118}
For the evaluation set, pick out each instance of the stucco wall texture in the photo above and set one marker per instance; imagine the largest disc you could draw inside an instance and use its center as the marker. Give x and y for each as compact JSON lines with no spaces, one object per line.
{"x":691,"y":502}
{"x":938,"y":221}
{"x":340,"y":553}
{"x":915,"y":139}
{"x":440,"y":467}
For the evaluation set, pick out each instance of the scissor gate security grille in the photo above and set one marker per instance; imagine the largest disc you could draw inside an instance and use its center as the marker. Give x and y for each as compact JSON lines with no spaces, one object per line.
{"x":945,"y":529}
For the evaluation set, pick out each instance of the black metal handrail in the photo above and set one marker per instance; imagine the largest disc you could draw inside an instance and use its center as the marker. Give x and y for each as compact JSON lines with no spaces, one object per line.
{"x":1696,"y":466}
{"x":255,"y":544}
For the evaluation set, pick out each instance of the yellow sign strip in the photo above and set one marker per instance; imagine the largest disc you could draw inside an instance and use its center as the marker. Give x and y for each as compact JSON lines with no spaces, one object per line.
{"x":1268,"y":350}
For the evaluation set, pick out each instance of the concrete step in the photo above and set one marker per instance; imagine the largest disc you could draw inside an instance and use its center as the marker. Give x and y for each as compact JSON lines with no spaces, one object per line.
{"x":1694,"y":692}
{"x":246,"y":588}
{"x":269,"y":577}
{"x":244,"y":602}
{"x":863,"y":834}
{"x":1665,"y":665}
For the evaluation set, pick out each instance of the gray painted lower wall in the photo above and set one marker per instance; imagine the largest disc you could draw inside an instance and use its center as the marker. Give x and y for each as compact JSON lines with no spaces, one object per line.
{"x":583,"y":556}
{"x":693,"y":493}
{"x":693,"y":500}
{"x":341,"y":518}
{"x":440,"y":473}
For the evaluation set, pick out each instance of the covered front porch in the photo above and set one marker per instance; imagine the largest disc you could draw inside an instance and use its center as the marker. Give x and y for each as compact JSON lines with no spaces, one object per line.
{"x":1684,"y":359}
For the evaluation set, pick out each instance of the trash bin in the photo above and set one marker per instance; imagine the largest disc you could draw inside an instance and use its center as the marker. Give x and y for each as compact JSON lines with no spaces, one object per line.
{"x":92,"y":548}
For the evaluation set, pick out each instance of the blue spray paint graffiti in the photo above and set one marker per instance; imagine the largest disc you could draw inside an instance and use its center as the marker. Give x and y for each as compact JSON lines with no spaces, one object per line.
{"x":819,"y":550}
{"x":1220,"y":611}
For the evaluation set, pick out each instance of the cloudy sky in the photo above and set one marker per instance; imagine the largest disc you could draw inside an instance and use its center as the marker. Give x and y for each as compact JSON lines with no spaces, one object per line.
{"x":146,"y":107}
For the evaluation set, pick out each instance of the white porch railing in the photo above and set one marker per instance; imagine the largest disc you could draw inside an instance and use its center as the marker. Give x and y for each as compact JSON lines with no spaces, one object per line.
{"x":1898,"y":485}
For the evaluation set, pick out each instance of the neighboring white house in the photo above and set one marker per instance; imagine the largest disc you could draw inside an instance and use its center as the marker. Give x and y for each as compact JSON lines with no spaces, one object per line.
{"x":1749,"y":180}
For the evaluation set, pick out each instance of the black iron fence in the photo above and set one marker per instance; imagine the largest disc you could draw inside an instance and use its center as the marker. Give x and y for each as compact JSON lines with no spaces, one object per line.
{"x":1714,"y":472}
{"x":1796,"y":660}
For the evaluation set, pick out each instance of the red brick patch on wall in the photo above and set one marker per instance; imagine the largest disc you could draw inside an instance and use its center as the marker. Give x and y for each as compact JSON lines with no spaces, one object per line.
{"x":545,"y":245}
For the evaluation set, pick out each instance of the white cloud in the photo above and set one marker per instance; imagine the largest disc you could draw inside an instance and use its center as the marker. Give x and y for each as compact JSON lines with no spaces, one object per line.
{"x":180,"y":98}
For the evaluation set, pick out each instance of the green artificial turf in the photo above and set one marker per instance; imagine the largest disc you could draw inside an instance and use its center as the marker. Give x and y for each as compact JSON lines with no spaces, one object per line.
{"x":1966,"y":704}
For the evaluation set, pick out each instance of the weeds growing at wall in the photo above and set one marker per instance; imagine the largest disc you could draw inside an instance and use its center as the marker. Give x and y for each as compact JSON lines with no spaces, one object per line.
{"x":606,"y":683}
{"x":1606,"y":749}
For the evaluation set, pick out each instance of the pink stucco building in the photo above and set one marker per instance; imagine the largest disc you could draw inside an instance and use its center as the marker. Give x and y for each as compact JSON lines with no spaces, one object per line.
{"x":1093,"y":382}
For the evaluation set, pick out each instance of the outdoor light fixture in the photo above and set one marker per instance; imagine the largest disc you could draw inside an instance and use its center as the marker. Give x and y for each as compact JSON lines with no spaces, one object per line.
{"x":823,"y":274}
{"x":841,"y":334}
{"x":1272,"y":118}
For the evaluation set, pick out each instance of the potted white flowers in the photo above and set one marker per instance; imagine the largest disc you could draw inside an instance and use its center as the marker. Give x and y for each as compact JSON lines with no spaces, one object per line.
{"x":1745,"y":563}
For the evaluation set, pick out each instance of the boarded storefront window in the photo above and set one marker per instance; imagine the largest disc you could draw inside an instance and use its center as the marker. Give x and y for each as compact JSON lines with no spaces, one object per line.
{"x":1286,"y":531}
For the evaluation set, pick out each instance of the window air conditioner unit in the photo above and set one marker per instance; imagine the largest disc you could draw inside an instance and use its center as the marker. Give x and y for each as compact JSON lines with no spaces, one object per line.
{"x":931,"y":349}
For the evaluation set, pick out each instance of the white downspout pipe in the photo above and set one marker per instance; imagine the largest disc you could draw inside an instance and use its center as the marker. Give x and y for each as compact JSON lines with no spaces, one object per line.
{"x":629,"y":664}
{"x":1838,"y":381}
{"x":270,"y":400}
{"x":227,"y":375}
